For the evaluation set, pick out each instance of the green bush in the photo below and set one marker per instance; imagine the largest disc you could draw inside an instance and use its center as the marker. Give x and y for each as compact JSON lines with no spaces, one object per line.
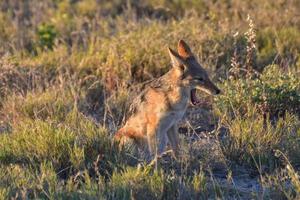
{"x":274,"y":92}
{"x":47,"y":35}
{"x":261,"y":115}
{"x":253,"y":142}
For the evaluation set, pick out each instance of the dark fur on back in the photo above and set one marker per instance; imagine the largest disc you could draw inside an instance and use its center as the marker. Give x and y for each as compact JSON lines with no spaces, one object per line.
{"x":157,"y":84}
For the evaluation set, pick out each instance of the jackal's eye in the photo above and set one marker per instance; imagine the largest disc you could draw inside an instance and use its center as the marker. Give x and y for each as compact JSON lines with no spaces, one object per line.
{"x":200,"y":79}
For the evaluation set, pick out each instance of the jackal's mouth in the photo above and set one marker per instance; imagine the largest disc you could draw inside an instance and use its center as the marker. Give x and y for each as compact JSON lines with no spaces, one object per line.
{"x":195,"y":101}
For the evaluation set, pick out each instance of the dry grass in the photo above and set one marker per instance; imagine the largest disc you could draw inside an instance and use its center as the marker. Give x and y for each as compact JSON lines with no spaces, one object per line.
{"x":68,"y":72}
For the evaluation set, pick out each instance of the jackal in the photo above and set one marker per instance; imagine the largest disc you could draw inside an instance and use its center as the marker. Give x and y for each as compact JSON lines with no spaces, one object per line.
{"x":155,"y":112}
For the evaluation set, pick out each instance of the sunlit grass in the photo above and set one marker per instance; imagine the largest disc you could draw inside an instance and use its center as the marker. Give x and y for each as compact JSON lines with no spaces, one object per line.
{"x":69,"y":71}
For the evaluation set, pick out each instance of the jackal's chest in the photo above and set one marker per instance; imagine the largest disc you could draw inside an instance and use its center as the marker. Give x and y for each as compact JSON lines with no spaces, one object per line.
{"x":177,"y":104}
{"x":178,"y":100}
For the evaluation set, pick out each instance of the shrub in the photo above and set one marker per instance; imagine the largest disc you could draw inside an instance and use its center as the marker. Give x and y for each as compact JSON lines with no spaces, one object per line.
{"x":274,"y":92}
{"x":246,"y":107}
{"x":253,"y":142}
{"x":46,"y":34}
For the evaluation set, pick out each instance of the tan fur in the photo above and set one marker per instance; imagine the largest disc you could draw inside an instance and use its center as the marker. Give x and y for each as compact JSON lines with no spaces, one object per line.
{"x":156,"y":111}
{"x":184,"y":50}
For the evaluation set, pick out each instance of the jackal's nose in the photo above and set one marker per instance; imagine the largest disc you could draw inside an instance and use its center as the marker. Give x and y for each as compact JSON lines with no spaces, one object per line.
{"x":218,"y":91}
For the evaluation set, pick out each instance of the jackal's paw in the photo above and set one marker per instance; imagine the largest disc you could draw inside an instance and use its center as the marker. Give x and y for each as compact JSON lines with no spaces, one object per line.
{"x":176,"y":155}
{"x":166,"y":153}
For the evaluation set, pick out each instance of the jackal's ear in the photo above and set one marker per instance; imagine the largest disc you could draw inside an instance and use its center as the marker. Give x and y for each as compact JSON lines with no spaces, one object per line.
{"x":176,"y":59}
{"x":184,"y":50}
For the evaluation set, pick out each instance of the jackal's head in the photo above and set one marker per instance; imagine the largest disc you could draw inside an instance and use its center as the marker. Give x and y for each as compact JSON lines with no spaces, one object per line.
{"x":192,"y":74}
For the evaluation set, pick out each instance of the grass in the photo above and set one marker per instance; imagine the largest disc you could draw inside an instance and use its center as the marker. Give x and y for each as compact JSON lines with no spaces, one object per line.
{"x":69,"y":70}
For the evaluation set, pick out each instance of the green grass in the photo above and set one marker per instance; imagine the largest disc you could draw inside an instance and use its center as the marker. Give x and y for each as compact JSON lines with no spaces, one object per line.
{"x":69,"y":70}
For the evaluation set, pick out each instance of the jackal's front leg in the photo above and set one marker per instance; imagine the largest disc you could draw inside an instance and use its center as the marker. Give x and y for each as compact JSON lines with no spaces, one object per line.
{"x":174,"y":140}
{"x":162,"y":142}
{"x":157,"y":142}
